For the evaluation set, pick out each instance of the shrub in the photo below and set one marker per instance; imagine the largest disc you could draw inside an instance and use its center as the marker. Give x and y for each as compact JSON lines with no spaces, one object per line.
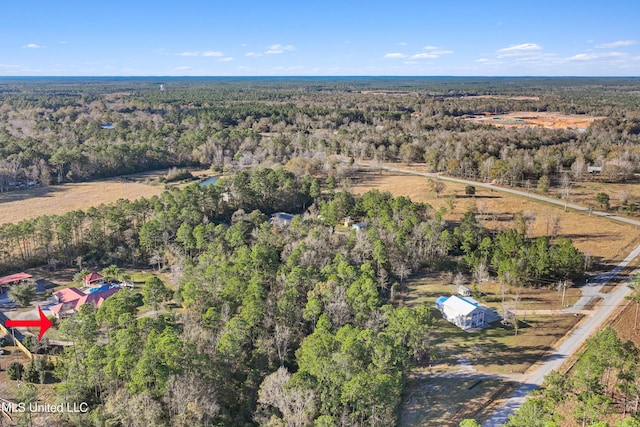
{"x":15,"y":370}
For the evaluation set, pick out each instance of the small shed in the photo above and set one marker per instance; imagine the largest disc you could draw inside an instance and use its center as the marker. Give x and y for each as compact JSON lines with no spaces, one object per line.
{"x":464,"y":291}
{"x":92,"y":278}
{"x":594,"y":169}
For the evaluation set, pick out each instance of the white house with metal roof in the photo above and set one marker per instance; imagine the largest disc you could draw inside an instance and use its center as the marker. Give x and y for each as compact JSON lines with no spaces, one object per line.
{"x":466,"y":313}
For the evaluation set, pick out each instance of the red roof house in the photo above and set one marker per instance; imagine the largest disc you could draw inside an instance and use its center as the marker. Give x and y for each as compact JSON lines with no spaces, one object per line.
{"x":71,"y":301}
{"x":92,"y":278}
{"x":68,"y":294}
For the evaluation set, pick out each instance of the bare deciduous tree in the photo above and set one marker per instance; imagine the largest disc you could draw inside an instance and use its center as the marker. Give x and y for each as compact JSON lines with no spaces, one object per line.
{"x":295,"y":405}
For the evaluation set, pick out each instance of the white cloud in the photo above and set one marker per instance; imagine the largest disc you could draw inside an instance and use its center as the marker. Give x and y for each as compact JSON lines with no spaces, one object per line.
{"x":595,"y":56}
{"x":206,"y":53}
{"x":183,"y":68}
{"x":212,"y":53}
{"x":33,"y":46}
{"x":520,"y":49}
{"x":423,"y":56}
{"x":410,"y":62}
{"x":278,"y":48}
{"x":252,"y":54}
{"x":402,"y":43}
{"x":432,"y":52}
{"x":613,"y":45}
{"x":481,"y":60}
{"x":226,"y":59}
{"x":395,"y":55}
{"x":441,"y":52}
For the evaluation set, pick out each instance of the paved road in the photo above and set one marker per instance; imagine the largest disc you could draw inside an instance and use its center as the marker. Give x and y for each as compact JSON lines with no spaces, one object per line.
{"x":571,"y":344}
{"x":573,"y":341}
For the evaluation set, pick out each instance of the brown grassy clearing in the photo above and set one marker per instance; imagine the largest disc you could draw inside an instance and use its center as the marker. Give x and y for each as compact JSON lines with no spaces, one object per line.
{"x":584,"y":192}
{"x":16,"y":206}
{"x":527,"y":119}
{"x":430,"y":404}
{"x":514,"y":97}
{"x":608,"y":242}
{"x":425,"y":288}
{"x":58,"y":200}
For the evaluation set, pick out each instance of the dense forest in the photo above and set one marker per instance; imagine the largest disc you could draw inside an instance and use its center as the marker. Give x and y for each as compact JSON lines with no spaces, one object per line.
{"x":60,"y":130}
{"x":301,"y":323}
{"x":292,"y":324}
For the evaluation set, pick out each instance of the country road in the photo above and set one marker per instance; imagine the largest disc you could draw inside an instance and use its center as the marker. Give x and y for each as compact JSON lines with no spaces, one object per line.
{"x":569,"y":346}
{"x":572,"y":342}
{"x":504,"y":190}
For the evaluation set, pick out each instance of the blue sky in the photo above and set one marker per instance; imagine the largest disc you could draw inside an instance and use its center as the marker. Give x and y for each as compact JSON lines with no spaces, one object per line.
{"x":348,"y":37}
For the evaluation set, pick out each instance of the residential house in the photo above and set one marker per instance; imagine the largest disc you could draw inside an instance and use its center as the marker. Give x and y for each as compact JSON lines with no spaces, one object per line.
{"x":594,"y":169}
{"x":466,"y":313}
{"x":282,"y":219}
{"x":71,"y":299}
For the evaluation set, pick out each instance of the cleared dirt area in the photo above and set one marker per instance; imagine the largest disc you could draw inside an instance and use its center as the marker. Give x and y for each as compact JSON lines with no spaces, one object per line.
{"x":606,"y":241}
{"x":527,"y":119}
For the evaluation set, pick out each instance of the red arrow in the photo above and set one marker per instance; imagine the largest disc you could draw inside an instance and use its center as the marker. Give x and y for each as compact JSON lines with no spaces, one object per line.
{"x":44,"y":323}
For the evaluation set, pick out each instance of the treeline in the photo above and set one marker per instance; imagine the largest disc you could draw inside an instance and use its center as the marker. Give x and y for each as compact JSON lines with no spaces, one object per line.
{"x":602,"y":389}
{"x":53,"y":131}
{"x":133,"y":232}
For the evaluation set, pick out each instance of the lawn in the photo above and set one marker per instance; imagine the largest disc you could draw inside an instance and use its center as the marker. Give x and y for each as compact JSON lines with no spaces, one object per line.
{"x":497,"y":350}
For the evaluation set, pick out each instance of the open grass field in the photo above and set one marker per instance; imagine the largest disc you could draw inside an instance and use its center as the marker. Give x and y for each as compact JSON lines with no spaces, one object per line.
{"x":528,"y":119}
{"x":57,"y":200}
{"x":16,"y":206}
{"x":427,"y":287}
{"x":606,"y":241}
